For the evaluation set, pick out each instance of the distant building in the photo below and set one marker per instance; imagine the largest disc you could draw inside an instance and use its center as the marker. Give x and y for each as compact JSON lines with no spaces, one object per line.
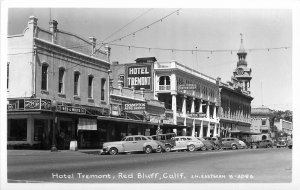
{"x":285,"y":126}
{"x":262,"y":120}
{"x":54,"y":69}
{"x":236,"y":100}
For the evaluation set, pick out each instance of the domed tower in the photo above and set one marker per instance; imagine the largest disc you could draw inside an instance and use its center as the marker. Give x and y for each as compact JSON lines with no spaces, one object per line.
{"x":243,"y":73}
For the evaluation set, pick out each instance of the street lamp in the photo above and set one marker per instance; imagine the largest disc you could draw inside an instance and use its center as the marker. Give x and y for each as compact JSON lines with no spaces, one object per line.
{"x":53,"y":147}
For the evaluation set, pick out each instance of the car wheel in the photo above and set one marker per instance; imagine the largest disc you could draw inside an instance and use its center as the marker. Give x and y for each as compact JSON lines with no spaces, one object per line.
{"x":159,"y":149}
{"x":233,"y":147}
{"x":113,"y":151}
{"x":148,"y":149}
{"x":168,"y":148}
{"x":191,"y":148}
{"x":203,"y":148}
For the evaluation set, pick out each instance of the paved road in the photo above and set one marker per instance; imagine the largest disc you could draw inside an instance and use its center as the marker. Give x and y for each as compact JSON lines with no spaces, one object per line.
{"x":230,"y":166}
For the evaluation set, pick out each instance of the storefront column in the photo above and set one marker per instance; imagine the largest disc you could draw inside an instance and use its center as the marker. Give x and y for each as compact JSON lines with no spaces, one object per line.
{"x":201,"y":129}
{"x":193,"y":106}
{"x":215,"y":130}
{"x":208,"y":130}
{"x":30,"y":130}
{"x":200,"y":106}
{"x":207,"y":110}
{"x":193,"y":129}
{"x":215,"y":112}
{"x":174,"y":108}
{"x":184,"y":105}
{"x":184,"y":132}
{"x":219,"y":130}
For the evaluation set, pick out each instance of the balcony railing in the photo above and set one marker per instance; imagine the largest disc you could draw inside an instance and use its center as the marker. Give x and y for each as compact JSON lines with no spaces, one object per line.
{"x":164,"y":87}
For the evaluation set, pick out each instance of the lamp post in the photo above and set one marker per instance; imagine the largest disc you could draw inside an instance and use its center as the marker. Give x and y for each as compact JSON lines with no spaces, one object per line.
{"x":53,"y":147}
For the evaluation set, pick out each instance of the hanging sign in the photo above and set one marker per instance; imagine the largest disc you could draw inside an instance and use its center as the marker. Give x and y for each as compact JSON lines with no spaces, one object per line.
{"x":139,"y":77}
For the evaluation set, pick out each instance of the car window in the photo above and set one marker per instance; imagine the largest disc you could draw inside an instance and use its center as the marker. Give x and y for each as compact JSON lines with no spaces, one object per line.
{"x":129,"y":139}
{"x":150,"y":138}
{"x":138,"y":138}
{"x":154,"y":137}
{"x":124,"y":138}
{"x":144,"y":138}
{"x":189,"y":139}
{"x":183,"y":139}
{"x":176,"y":139}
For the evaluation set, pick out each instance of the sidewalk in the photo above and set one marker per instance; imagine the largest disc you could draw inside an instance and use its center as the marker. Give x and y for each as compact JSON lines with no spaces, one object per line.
{"x":43,"y":152}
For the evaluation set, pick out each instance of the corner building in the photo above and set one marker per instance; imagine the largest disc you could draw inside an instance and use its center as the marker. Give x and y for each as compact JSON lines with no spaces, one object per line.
{"x":51,"y":68}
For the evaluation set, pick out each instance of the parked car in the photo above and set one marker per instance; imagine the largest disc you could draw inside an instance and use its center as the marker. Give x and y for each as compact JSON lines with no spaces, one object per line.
{"x":281,"y":142}
{"x":290,"y":144}
{"x":135,"y":143}
{"x":161,"y":146}
{"x":208,"y":145}
{"x":167,"y":140}
{"x":217,"y":141}
{"x":187,"y":143}
{"x":264,"y":144}
{"x":242,"y":143}
{"x":231,"y":143}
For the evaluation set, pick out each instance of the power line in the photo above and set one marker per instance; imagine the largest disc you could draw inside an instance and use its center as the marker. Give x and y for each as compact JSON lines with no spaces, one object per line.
{"x":197,"y":50}
{"x":126,"y":25}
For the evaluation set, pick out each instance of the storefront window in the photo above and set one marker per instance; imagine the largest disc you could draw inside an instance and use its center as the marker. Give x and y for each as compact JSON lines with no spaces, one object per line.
{"x":39,"y":129}
{"x":17,"y":130}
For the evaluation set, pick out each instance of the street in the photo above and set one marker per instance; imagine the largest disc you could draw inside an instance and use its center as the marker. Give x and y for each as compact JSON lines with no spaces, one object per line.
{"x":228,"y":166}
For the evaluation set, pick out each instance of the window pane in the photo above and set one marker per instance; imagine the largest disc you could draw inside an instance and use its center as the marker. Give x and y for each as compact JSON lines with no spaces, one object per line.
{"x":61,"y":80}
{"x":138,"y":139}
{"x":76,"y":80}
{"x":44,"y":77}
{"x":90,"y":87}
{"x":103,"y":89}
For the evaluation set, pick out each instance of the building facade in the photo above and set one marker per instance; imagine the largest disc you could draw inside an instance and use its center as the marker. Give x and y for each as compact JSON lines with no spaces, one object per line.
{"x":190,"y":98}
{"x":57,"y":86}
{"x":262,"y":120}
{"x":236,"y":100}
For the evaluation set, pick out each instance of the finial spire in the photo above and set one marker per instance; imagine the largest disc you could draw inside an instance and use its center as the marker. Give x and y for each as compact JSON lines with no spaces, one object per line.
{"x":242,"y":46}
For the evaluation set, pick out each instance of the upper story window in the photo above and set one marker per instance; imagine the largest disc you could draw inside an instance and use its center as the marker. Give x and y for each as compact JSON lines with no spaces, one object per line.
{"x":263,"y":122}
{"x":121,"y":78}
{"x":164,"y":80}
{"x":61,"y":79}
{"x":7,"y":75}
{"x":103,"y":81}
{"x":44,"y":85}
{"x":76,"y":83}
{"x":90,"y":86}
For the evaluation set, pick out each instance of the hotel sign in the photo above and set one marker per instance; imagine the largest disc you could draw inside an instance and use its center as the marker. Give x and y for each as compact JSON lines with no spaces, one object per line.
{"x":187,"y":87}
{"x":71,"y":109}
{"x":139,"y":77}
{"x":141,"y":106}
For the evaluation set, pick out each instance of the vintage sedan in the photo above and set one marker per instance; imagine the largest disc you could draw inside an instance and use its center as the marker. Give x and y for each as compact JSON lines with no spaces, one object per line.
{"x":135,"y":143}
{"x":208,"y":145}
{"x":231,"y":143}
{"x":187,"y":143}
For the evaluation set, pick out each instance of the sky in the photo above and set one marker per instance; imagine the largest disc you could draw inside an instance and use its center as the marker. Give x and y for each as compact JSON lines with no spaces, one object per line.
{"x":190,"y":28}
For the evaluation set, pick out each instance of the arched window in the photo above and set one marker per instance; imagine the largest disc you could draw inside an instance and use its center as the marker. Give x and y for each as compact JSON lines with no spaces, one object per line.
{"x":44,"y":85}
{"x":90,"y":86}
{"x":76,"y":83}
{"x":61,"y":79}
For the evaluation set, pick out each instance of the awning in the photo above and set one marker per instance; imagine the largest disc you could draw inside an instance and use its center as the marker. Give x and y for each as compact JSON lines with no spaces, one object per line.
{"x":244,"y":132}
{"x":119,"y":119}
{"x":87,"y":124}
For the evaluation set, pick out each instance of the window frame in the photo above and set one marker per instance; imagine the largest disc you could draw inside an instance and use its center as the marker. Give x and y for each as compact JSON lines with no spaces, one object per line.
{"x":91,"y":87}
{"x":77,"y":88}
{"x":61,"y":89}
{"x":103,"y":89}
{"x":46,"y":77}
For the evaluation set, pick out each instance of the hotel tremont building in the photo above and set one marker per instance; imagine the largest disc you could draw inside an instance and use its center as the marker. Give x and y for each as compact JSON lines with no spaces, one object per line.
{"x":57,"y":86}
{"x":191,"y":99}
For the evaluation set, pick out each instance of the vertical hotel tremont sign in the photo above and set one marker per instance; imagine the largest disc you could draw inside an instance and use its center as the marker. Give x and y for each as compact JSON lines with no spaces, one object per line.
{"x":139,"y":76}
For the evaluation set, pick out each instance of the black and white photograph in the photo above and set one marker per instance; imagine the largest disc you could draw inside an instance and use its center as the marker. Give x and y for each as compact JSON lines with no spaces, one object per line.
{"x":165,"y":96}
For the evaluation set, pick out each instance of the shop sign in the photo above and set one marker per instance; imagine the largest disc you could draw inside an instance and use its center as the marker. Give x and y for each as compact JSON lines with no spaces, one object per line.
{"x":45,"y":104}
{"x":70,"y":109}
{"x":32,"y":104}
{"x":168,"y":121}
{"x":139,"y":77}
{"x":12,"y":105}
{"x":187,"y":87}
{"x":115,"y":110}
{"x":141,"y":106}
{"x":197,"y":115}
{"x":87,"y":124}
